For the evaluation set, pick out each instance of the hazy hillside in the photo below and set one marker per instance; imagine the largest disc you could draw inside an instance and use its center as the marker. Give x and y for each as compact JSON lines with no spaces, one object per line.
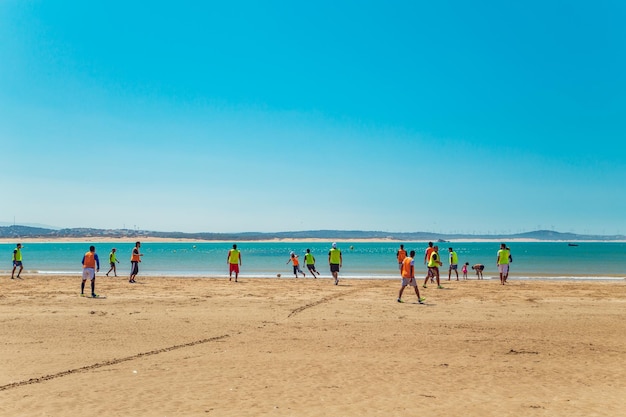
{"x":39,"y":232}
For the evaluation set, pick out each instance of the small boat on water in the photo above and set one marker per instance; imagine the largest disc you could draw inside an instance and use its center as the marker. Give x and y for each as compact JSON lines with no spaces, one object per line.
{"x":572,"y":244}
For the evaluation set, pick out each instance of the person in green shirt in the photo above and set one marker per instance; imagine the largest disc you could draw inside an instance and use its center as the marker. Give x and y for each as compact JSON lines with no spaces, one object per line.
{"x":234,"y":262}
{"x":112,"y":261}
{"x":502,"y":262}
{"x":309,"y":260}
{"x":335,"y":261}
{"x":17,"y":261}
{"x":454,"y":264}
{"x":433,"y":265}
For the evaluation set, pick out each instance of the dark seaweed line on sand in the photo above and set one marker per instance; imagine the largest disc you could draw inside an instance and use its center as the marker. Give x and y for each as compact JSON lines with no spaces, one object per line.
{"x":327,"y":299}
{"x":163,"y":350}
{"x":108,"y":363}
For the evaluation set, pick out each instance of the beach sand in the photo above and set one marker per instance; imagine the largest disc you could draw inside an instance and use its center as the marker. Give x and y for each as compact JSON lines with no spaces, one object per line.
{"x":287,"y":347}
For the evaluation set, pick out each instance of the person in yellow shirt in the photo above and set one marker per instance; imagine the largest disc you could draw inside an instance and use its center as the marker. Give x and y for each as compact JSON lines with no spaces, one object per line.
{"x":309,"y":260}
{"x":502,"y":262}
{"x":454,"y":264}
{"x":234,"y":261}
{"x":112,"y":261}
{"x":433,"y":266}
{"x":17,"y":261}
{"x":429,"y":273}
{"x":335,"y":261}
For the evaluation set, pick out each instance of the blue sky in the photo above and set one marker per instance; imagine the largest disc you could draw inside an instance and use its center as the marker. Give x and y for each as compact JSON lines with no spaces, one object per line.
{"x":450,"y":116}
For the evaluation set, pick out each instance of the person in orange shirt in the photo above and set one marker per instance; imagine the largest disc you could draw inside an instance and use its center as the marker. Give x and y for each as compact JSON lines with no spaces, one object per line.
{"x":135,"y":258}
{"x":434,"y":264}
{"x":296,"y":265}
{"x":91,"y":264}
{"x":401,"y":254}
{"x":408,"y":277}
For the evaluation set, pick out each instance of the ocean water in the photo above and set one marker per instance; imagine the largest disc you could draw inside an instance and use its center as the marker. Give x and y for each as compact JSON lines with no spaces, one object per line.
{"x":531,"y":260}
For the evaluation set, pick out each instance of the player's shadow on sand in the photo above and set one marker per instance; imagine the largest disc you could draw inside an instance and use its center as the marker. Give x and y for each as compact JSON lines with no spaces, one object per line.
{"x":424,"y":304}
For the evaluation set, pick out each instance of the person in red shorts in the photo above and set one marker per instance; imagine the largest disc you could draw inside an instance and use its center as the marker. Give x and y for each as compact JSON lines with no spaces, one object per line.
{"x":234,"y":261}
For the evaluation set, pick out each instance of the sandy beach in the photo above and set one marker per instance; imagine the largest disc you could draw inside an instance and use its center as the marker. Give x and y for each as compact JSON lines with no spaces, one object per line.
{"x":287,"y":347}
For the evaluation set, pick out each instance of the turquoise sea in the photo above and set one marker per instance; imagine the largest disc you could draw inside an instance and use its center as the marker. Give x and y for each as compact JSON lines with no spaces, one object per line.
{"x":531,"y":260}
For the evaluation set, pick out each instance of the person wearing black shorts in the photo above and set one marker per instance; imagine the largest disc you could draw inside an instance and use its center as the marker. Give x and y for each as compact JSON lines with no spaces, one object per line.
{"x":335,"y":261}
{"x":479,"y":270}
{"x":309,"y":260}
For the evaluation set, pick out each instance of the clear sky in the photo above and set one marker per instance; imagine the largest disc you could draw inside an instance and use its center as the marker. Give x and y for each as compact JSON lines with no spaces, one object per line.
{"x":202,"y":116}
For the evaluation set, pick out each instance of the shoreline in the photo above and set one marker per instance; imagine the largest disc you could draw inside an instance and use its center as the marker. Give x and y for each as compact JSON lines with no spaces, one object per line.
{"x":288,"y":277}
{"x":311,"y":240}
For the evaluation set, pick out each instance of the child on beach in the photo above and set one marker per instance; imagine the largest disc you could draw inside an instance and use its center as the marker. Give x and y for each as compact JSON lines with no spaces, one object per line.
{"x":465,"y":270}
{"x":296,"y":265}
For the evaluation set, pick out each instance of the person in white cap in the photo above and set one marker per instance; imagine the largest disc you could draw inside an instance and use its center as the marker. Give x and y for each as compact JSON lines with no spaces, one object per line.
{"x":335,"y":261}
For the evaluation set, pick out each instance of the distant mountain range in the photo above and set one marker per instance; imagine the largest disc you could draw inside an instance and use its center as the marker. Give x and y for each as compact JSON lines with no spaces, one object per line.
{"x":16,"y":231}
